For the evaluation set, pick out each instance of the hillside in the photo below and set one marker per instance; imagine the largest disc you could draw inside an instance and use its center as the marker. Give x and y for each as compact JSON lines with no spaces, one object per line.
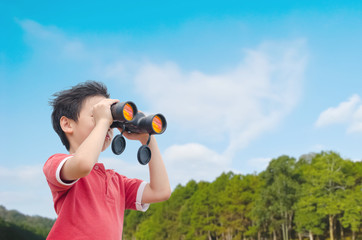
{"x":15,"y":225}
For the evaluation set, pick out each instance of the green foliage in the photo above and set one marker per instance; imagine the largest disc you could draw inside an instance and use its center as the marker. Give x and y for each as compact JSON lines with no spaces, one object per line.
{"x":327,"y":181}
{"x":352,"y":202}
{"x":14,"y":225}
{"x":279,"y":194}
{"x":288,"y":199}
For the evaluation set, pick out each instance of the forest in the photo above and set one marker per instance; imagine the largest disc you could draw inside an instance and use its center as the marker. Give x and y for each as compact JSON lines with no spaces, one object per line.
{"x":318,"y":196}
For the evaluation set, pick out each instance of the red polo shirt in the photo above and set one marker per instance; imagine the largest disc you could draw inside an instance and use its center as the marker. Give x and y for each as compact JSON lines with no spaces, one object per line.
{"x":91,"y":207}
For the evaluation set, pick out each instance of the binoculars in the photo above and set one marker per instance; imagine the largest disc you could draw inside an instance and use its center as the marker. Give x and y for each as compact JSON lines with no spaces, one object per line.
{"x":126,"y":116}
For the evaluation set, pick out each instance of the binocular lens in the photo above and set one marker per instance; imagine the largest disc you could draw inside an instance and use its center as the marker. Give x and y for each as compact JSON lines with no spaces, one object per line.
{"x":157,"y":124}
{"x":123,"y":111}
{"x":128,"y":112}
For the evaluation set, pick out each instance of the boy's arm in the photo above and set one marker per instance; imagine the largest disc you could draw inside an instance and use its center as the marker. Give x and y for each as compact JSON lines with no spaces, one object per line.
{"x":159,"y":187}
{"x":86,"y":155}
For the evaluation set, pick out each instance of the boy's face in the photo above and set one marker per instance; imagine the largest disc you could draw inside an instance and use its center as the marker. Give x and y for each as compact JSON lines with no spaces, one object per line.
{"x":85,"y":124}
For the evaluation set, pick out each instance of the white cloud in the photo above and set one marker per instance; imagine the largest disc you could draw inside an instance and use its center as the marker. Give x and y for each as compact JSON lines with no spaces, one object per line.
{"x":340,"y":114}
{"x":356,"y":123}
{"x":348,"y":113}
{"x":50,"y":42}
{"x":244,"y":102}
{"x":25,"y":189}
{"x":76,"y":56}
{"x":30,"y":175}
{"x":194,"y":161}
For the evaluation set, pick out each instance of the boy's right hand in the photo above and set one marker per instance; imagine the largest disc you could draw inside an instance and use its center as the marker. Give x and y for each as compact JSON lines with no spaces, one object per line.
{"x":102,"y":111}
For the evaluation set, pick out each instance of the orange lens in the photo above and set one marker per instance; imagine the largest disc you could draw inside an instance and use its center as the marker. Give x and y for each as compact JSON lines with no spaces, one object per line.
{"x":128,"y":112}
{"x":157,"y":124}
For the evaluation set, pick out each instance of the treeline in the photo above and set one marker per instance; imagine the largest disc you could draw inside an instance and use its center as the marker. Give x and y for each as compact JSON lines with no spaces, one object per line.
{"x":318,"y":196}
{"x":15,"y":225}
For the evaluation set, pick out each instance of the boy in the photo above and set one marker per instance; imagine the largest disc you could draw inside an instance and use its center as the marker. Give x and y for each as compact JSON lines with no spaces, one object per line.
{"x":88,"y":199}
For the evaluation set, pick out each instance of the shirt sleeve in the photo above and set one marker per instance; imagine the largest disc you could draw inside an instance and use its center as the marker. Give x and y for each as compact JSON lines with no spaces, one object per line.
{"x":133,"y":194}
{"x":52,"y":169}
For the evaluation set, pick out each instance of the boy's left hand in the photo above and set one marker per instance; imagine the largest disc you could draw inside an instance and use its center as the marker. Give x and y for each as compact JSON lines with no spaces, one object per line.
{"x":142,"y":137}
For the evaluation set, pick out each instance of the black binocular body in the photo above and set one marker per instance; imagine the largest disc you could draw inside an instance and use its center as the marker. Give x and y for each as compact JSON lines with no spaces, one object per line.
{"x":126,"y":116}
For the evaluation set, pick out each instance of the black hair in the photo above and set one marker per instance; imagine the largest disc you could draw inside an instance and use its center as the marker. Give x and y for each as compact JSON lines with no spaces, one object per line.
{"x":69,"y":103}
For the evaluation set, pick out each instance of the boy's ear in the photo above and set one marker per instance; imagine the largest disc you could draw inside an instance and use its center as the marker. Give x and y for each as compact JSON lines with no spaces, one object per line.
{"x":66,"y":124}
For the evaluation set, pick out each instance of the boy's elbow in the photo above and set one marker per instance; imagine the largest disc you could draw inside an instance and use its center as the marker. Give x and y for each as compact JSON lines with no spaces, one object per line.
{"x":161,"y":195}
{"x":166,"y":195}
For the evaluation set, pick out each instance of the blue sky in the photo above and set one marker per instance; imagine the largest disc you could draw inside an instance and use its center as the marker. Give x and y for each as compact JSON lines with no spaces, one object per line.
{"x":239,"y":82}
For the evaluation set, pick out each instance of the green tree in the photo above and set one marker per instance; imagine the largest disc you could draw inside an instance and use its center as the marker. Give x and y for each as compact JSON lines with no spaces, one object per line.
{"x":328,"y":181}
{"x":307,"y":219}
{"x":352,"y":203}
{"x":162,"y":219}
{"x":279,"y":194}
{"x":197,"y":215}
{"x":237,"y":202}
{"x":153,"y":227}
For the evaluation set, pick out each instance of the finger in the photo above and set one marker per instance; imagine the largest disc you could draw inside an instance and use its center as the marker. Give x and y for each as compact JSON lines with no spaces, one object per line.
{"x":131,"y":136}
{"x":127,"y":134}
{"x":107,"y":102}
{"x":111,"y":101}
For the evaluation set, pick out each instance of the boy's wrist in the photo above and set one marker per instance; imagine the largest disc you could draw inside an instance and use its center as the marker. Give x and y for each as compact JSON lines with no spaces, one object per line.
{"x":143,"y":140}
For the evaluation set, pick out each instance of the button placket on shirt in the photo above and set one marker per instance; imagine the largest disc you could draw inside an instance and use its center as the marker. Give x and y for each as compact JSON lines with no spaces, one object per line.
{"x":107,"y":175}
{"x":104,"y":176}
